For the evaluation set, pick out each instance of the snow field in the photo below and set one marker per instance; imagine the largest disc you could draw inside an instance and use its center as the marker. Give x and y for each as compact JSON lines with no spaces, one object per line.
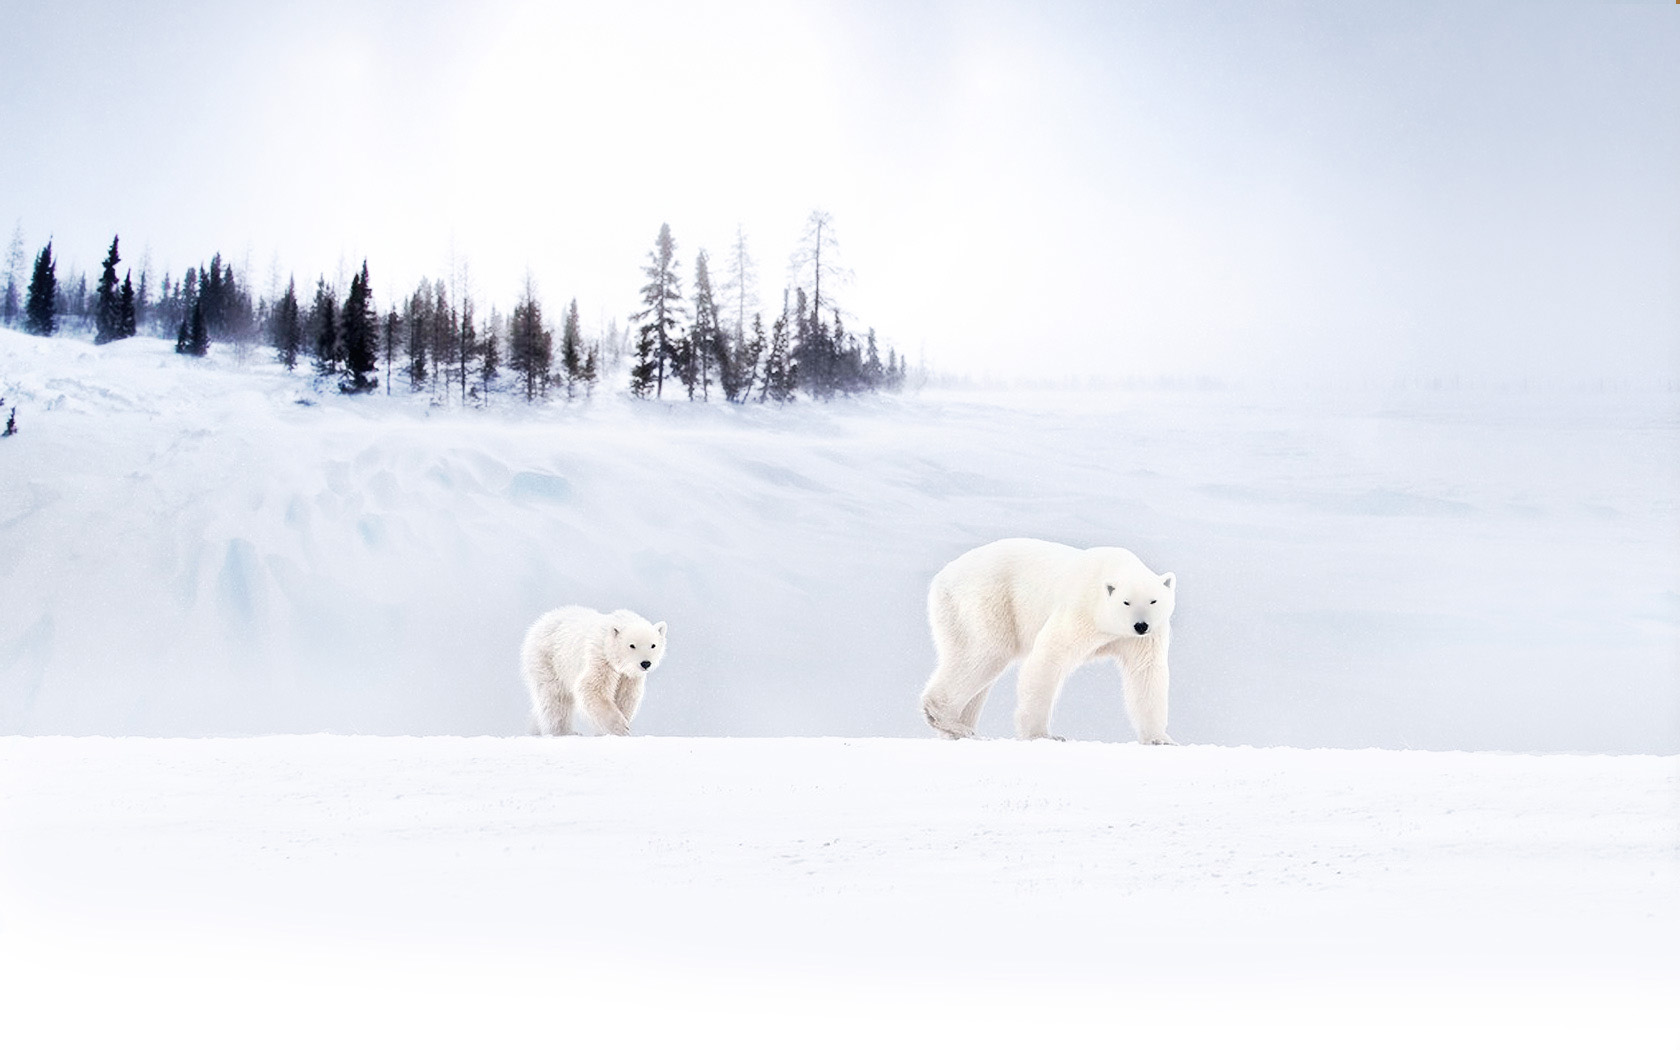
{"x":532,"y":890}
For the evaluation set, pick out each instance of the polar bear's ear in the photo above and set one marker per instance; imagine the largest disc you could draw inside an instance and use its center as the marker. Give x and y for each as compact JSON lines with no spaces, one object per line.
{"x":660,"y":627}
{"x":615,"y":630}
{"x":1167,"y":580}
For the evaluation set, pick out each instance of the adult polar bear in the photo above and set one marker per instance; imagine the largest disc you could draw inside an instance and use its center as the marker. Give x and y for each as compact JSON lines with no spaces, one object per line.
{"x":1054,"y":608}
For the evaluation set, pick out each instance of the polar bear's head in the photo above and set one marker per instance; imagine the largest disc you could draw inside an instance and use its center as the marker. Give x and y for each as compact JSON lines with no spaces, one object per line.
{"x":635,"y":646}
{"x":1138,"y":606}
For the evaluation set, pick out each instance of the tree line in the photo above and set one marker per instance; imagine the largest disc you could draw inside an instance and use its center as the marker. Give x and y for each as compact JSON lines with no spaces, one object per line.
{"x":436,"y":340}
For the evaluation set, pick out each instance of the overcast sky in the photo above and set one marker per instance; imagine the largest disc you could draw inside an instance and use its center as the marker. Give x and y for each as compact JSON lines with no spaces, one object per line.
{"x":1109,"y":187}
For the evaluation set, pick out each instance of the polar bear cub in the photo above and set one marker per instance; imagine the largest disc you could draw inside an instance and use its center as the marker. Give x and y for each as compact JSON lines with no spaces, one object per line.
{"x":1053,"y":607}
{"x":575,"y":657}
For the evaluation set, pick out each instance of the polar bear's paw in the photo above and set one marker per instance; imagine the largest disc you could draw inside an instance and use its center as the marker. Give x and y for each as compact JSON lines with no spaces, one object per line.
{"x":947,"y":728}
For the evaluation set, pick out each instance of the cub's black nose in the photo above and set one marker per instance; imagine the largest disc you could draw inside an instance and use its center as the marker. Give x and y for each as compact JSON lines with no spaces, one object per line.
{"x":649,"y":663}
{"x":1141,"y":628}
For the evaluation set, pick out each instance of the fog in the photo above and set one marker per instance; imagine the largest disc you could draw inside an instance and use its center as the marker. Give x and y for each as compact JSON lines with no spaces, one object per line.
{"x":1422,"y":190}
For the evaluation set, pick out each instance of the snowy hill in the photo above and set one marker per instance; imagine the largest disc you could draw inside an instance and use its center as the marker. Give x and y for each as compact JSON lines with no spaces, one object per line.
{"x":214,"y":547}
{"x":346,"y":891}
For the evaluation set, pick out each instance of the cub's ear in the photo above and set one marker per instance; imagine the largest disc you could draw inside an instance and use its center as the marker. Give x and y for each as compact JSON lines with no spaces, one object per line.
{"x":1111,"y":590}
{"x":660,"y":627}
{"x":615,"y":630}
{"x":1167,"y":580}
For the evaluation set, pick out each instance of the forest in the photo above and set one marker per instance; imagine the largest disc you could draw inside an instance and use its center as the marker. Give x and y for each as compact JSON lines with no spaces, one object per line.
{"x":710,"y":341}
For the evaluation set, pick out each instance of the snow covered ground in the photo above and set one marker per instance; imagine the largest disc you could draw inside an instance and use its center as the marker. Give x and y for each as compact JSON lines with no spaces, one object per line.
{"x":215,"y":550}
{"x":190,"y":549}
{"x":480,"y":891}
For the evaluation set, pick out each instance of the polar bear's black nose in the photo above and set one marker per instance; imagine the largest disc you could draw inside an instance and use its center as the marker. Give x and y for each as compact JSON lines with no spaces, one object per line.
{"x":646,"y":664}
{"x":1141,"y":628}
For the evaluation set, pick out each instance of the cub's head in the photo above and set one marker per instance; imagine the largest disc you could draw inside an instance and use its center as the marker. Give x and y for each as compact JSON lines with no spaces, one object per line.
{"x":636,"y":646}
{"x":1137,"y":606}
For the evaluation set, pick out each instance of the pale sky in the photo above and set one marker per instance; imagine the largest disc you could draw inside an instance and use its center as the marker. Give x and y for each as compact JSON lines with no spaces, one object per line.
{"x":1163,"y":188}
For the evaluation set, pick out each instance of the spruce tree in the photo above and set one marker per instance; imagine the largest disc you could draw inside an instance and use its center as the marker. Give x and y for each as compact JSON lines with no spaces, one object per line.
{"x":708,"y":356}
{"x":441,"y":337}
{"x":323,"y":325}
{"x":530,"y":344}
{"x":193,"y":336}
{"x":746,"y":360}
{"x":285,"y":327}
{"x":419,"y":326}
{"x":107,"y":318}
{"x":780,"y":372}
{"x":393,"y":335}
{"x":571,"y":350}
{"x":661,"y":316}
{"x":128,"y":315}
{"x":200,"y":331}
{"x":41,"y":309}
{"x":644,"y":368}
{"x":467,"y":342}
{"x":357,"y":337}
{"x":489,"y":359}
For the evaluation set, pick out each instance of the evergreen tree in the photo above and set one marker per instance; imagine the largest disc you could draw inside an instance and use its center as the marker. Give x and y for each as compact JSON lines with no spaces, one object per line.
{"x":285,"y":326}
{"x":707,"y":352}
{"x":571,"y":350}
{"x":358,"y":337}
{"x":393,"y":335}
{"x":489,"y":358}
{"x":644,"y":369}
{"x":468,"y":345}
{"x":41,"y":310}
{"x":745,"y":362}
{"x":441,"y":338}
{"x":11,"y":295}
{"x":590,"y":370}
{"x":128,"y":315}
{"x":781,"y":373}
{"x":107,"y":318}
{"x":323,"y":326}
{"x":419,"y":326}
{"x":193,"y":337}
{"x":530,"y":344}
{"x":662,"y":314}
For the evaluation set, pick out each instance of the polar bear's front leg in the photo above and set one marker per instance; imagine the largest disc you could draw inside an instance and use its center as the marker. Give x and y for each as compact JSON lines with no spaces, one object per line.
{"x":628,"y":697}
{"x":1038,"y":685}
{"x":1143,"y":670}
{"x":597,"y":691}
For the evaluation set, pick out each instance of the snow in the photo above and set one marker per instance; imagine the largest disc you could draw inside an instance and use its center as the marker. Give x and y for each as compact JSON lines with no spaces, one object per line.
{"x":190,"y":549}
{"x":1387,"y":595}
{"x":824,"y":890}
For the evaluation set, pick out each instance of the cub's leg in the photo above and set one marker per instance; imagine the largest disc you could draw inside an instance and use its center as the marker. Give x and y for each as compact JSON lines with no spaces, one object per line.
{"x":596,"y":691}
{"x":628,"y":697}
{"x":552,"y":702}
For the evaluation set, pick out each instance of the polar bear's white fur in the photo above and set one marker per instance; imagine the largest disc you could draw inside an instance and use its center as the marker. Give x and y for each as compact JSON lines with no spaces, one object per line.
{"x":1053,"y":607}
{"x":575,"y":657}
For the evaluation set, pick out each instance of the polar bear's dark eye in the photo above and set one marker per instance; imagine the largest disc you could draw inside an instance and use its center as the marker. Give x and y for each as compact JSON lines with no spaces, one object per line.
{"x":1151,"y":601}
{"x":1125,"y":603}
{"x":632,"y":645}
